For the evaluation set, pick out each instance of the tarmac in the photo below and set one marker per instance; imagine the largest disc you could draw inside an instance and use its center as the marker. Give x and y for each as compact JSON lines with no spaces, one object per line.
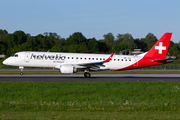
{"x":94,"y":78}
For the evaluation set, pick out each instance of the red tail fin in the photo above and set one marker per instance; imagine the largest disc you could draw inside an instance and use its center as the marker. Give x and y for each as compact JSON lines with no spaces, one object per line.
{"x":159,"y":50}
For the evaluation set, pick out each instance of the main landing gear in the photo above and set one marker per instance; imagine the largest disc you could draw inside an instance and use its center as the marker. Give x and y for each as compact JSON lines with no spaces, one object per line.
{"x":21,"y":67}
{"x":87,"y":75}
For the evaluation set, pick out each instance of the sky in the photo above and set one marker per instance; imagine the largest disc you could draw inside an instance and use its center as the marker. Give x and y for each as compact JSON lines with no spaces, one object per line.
{"x":93,"y":18}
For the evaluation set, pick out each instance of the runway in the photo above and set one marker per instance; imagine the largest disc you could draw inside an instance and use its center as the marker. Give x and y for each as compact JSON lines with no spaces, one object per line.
{"x":94,"y":78}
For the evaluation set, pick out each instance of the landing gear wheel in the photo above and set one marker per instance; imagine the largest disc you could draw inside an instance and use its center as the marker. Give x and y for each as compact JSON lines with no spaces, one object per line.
{"x":21,"y":68}
{"x":21,"y":73}
{"x":87,"y":75}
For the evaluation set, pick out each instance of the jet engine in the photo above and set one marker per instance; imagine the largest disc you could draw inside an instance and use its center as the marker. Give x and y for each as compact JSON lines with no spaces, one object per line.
{"x":67,"y":69}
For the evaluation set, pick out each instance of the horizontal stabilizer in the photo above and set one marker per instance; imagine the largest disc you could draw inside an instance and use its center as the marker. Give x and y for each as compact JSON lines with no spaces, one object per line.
{"x":164,"y":60}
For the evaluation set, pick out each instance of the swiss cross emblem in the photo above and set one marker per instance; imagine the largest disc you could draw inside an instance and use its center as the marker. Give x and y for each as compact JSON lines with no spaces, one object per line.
{"x":160,"y":48}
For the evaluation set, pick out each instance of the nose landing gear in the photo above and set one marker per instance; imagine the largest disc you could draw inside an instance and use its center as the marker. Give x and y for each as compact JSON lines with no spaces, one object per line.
{"x":21,"y":67}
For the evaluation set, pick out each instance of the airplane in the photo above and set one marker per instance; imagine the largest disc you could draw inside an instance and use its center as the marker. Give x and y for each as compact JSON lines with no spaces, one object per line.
{"x":69,"y":63}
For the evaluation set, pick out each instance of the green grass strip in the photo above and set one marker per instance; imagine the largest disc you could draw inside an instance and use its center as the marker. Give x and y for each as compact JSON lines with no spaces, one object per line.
{"x":90,"y":96}
{"x":88,"y":115}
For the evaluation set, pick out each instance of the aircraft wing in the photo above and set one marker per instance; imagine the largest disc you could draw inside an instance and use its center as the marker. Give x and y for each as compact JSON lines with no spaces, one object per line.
{"x":96,"y":64}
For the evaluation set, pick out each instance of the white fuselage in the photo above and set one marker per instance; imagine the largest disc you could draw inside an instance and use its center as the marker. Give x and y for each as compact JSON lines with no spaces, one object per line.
{"x":55,"y":60}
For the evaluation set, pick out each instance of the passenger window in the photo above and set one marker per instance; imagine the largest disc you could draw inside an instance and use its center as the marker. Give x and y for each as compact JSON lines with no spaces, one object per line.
{"x":121,"y":59}
{"x":68,"y":57}
{"x":114,"y":59}
{"x":76,"y":57}
{"x":92,"y":58}
{"x":100,"y":58}
{"x":72,"y":58}
{"x":96,"y":58}
{"x":103,"y":58}
{"x":85,"y":58}
{"x":89,"y":58}
{"x":118,"y":59}
{"x":81,"y":58}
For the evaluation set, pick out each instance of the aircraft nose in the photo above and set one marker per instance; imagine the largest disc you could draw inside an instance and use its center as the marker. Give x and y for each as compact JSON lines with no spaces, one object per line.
{"x":5,"y":62}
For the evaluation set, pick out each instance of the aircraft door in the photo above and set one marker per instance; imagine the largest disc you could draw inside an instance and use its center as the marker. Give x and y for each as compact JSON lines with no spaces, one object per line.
{"x":27,"y":56}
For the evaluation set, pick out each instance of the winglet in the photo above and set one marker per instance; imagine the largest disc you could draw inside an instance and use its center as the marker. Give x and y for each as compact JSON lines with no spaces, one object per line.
{"x":107,"y":60}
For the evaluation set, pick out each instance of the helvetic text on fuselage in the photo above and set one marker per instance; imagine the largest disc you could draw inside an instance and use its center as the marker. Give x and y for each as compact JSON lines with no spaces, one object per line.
{"x":46,"y":57}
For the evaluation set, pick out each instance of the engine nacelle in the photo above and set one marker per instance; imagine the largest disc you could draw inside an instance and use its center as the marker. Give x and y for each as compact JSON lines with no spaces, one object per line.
{"x":67,"y":69}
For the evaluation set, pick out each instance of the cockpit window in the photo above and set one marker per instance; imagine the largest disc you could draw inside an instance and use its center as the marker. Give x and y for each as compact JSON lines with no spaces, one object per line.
{"x":15,"y":55}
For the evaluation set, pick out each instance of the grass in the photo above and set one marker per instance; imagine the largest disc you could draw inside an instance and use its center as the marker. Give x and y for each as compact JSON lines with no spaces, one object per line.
{"x":90,"y":100}
{"x":87,"y":115}
{"x":90,"y":96}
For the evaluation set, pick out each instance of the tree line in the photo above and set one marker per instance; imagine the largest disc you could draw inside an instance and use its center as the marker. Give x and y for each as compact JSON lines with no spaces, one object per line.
{"x":11,"y":43}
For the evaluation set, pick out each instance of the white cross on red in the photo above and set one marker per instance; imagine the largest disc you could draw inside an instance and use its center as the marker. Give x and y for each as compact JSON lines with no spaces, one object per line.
{"x":160,"y":47}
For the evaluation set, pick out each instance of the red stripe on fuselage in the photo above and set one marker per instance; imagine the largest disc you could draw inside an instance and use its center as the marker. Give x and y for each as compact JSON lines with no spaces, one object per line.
{"x":144,"y":62}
